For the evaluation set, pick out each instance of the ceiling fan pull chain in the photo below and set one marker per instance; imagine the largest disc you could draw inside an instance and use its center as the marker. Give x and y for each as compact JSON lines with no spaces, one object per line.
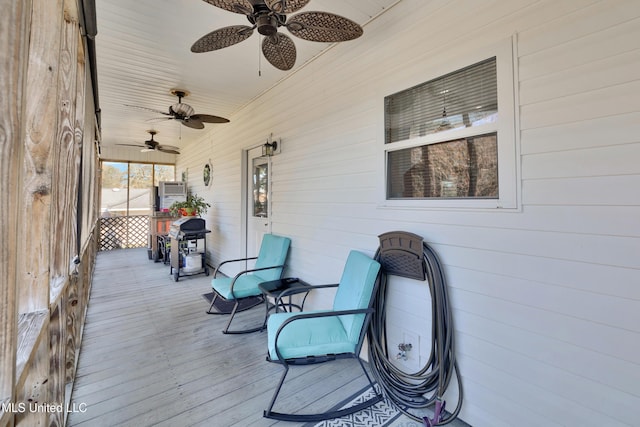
{"x":259,"y":60}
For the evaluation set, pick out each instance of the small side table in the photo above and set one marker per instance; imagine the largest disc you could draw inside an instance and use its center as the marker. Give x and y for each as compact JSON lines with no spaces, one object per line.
{"x":282,"y":288}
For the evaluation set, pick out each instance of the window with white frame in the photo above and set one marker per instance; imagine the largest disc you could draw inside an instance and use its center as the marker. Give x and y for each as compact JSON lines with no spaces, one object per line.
{"x":450,"y":142}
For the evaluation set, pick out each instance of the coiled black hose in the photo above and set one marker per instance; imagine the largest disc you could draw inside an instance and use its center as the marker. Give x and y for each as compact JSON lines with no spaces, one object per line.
{"x":427,"y":386}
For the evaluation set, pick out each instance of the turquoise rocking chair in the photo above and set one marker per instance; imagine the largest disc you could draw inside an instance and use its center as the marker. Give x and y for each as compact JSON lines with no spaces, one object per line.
{"x":269,"y":265}
{"x":322,"y":336}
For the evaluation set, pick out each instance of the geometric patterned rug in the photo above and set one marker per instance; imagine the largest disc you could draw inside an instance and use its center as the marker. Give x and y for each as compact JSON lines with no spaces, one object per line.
{"x":382,"y":414}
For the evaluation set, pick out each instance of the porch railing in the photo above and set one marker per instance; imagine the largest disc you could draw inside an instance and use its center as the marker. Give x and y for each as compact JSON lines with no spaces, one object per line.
{"x":122,"y":232}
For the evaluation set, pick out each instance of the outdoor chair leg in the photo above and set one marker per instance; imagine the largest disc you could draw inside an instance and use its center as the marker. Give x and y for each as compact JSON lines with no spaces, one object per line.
{"x":233,"y":313}
{"x":243,"y":331}
{"x":269,"y":413}
{"x":236,"y":305}
{"x":213,"y":300}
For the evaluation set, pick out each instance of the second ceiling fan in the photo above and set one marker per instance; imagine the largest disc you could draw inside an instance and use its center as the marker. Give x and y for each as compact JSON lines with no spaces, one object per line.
{"x":153,"y":145}
{"x":267,"y":16}
{"x":184,"y":113}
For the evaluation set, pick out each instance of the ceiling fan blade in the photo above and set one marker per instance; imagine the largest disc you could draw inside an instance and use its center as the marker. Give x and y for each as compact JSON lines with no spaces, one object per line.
{"x":148,"y":109}
{"x":159,"y":119}
{"x":221,"y":38}
{"x":323,"y":27}
{"x":164,"y":149}
{"x":193,"y":124}
{"x":279,"y":51}
{"x":167,"y":147}
{"x":207,"y":118}
{"x":132,"y":145}
{"x":237,"y":6}
{"x":286,"y":6}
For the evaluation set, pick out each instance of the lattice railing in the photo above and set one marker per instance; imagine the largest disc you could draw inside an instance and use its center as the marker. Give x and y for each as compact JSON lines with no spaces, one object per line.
{"x":124,"y":232}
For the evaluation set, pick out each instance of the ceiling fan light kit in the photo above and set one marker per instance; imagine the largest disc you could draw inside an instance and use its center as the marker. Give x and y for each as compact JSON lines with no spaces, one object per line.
{"x":267,"y":16}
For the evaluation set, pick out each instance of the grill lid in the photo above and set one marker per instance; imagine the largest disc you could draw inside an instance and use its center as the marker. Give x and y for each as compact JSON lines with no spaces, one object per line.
{"x":187,"y":226}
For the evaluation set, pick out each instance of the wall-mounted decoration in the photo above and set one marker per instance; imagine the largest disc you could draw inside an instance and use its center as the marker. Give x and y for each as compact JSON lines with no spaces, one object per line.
{"x":185,"y":175}
{"x":206,"y":174}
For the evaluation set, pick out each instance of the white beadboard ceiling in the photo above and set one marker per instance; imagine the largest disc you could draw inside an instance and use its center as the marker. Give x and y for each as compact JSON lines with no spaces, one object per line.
{"x":143,"y":51}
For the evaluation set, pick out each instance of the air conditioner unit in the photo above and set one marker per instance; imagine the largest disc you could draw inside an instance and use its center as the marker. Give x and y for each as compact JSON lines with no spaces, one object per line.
{"x":172,"y":188}
{"x":170,"y":192}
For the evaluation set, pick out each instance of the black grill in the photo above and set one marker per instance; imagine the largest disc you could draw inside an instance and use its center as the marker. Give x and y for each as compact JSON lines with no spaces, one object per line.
{"x":188,"y":229}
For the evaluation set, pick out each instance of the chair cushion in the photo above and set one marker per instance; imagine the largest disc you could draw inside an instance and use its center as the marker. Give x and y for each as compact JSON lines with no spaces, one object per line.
{"x":307,"y":337}
{"x":355,"y":290}
{"x":273,"y":251}
{"x":245,"y":286}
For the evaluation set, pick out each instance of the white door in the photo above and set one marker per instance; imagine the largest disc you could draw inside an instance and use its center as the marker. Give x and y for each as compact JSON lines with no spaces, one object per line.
{"x":258,"y":204}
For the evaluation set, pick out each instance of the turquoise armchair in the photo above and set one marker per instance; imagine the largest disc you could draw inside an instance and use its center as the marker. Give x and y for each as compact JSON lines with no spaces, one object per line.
{"x":325,"y":335}
{"x":269,"y":265}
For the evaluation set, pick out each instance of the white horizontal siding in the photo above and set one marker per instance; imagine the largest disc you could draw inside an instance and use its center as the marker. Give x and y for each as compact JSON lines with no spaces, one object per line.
{"x":598,"y":132}
{"x":546,"y":299}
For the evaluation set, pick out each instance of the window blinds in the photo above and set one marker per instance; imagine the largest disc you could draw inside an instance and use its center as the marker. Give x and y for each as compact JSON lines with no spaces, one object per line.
{"x":464,"y":98}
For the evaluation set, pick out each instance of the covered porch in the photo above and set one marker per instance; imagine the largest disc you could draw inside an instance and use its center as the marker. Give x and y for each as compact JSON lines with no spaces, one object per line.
{"x":542,"y":264}
{"x":152,"y":356}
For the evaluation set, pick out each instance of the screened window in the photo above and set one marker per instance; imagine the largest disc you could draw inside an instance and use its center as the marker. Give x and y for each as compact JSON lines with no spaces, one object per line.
{"x":126,"y":187}
{"x":450,"y":141}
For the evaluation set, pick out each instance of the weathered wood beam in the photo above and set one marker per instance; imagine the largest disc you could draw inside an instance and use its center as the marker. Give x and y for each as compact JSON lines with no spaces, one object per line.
{"x":41,"y":128}
{"x":14,"y":30}
{"x":63,"y":193}
{"x":64,"y":202}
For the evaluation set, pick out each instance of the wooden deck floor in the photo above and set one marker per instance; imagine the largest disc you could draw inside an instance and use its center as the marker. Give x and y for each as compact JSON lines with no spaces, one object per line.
{"x":152,"y":356}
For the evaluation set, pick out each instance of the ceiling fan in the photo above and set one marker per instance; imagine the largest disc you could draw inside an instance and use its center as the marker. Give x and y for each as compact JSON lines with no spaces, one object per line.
{"x":184,"y":113}
{"x":267,"y":16}
{"x":153,"y":145}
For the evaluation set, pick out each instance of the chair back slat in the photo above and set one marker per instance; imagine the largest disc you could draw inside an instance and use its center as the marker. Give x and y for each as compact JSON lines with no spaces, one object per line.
{"x":273,"y":251}
{"x":355,"y":291}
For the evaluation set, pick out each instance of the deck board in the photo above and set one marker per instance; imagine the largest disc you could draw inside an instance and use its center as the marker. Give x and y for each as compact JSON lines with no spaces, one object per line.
{"x":151,"y":356}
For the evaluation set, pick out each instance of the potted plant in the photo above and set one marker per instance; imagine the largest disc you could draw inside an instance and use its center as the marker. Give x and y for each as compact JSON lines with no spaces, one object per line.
{"x":194,"y":205}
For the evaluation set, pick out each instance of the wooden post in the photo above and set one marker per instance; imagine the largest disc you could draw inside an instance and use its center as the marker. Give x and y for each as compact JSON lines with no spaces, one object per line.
{"x":72,"y":341}
{"x":64,"y":204}
{"x":41,"y":126}
{"x":62,"y":193}
{"x":14,"y":30}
